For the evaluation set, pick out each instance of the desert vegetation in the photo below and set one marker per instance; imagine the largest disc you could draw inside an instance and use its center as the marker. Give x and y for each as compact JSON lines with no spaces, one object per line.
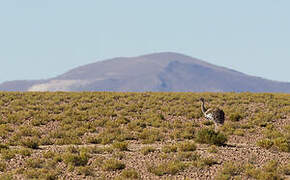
{"x":108,"y":135}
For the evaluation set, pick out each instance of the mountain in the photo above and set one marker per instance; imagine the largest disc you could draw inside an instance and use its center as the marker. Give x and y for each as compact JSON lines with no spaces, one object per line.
{"x":154,"y":72}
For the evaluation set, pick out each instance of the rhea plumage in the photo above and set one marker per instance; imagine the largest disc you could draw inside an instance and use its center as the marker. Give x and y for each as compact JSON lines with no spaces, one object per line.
{"x":214,"y":114}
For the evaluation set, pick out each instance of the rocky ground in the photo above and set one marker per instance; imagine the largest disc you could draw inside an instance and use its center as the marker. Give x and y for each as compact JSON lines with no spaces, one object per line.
{"x":146,"y":148}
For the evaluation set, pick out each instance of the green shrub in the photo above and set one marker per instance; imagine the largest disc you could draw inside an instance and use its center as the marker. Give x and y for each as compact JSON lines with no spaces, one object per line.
{"x":212,"y":149}
{"x":229,"y":127}
{"x":169,"y":148}
{"x":93,"y":139}
{"x":25,"y":151}
{"x":265,"y":143}
{"x":272,"y":133}
{"x":32,"y":173}
{"x":34,"y":163}
{"x":28,"y":131}
{"x":76,"y":159}
{"x":119,"y":155}
{"x":282,"y":143}
{"x":148,"y":149}
{"x":111,"y":134}
{"x":208,"y":123}
{"x":187,"y":146}
{"x":50,"y":163}
{"x":262,"y":119}
{"x":203,"y":162}
{"x":235,"y":117}
{"x":209,"y":136}
{"x":229,"y":169}
{"x":130,"y":174}
{"x":85,"y":170}
{"x":99,"y":161}
{"x":150,"y":136}
{"x":2,"y":166}
{"x":239,"y":132}
{"x":41,"y":174}
{"x":187,"y":156}
{"x":4,"y":146}
{"x":271,"y":170}
{"x":286,"y":169}
{"x":8,"y":154}
{"x":29,"y":142}
{"x":113,"y":165}
{"x":172,"y":167}
{"x":46,"y":141}
{"x":187,"y":133}
{"x":7,"y":176}
{"x":122,"y":146}
{"x":49,"y":154}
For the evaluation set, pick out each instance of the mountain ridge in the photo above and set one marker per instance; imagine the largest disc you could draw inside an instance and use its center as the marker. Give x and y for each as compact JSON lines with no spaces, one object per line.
{"x":165,"y":71}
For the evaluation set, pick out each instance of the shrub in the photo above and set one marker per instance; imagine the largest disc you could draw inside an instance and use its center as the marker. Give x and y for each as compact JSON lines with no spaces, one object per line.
{"x":202,"y":162}
{"x":8,"y":154}
{"x":187,"y":133}
{"x":2,"y":166}
{"x":28,"y":131}
{"x":32,"y":173}
{"x":171,"y":167}
{"x":7,"y":176}
{"x":25,"y":151}
{"x":130,"y":174}
{"x":150,"y":136}
{"x":4,"y":146}
{"x":99,"y":161}
{"x":46,"y":141}
{"x":148,"y":149}
{"x":122,"y":146}
{"x":113,"y":165}
{"x":41,"y":174}
{"x":119,"y":155}
{"x":93,"y":139}
{"x":229,"y":127}
{"x":212,"y":149}
{"x":265,"y":143}
{"x":187,"y":146}
{"x":29,"y":142}
{"x":85,"y":170}
{"x":111,"y":134}
{"x":239,"y":132}
{"x":34,"y":163}
{"x":262,"y":119}
{"x":209,"y":136}
{"x":229,"y":169}
{"x":282,"y":143}
{"x":78,"y":159}
{"x":235,"y":117}
{"x":286,"y":169}
{"x":49,"y":154}
{"x":208,"y":123}
{"x":187,"y":156}
{"x":169,"y":148}
{"x":271,"y":170}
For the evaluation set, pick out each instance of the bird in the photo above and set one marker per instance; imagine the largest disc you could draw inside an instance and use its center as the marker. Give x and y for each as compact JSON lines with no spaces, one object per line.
{"x":214,"y":114}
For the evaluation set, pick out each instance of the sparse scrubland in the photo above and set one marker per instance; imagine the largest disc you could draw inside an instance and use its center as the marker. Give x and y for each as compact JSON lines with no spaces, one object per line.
{"x":107,"y":135}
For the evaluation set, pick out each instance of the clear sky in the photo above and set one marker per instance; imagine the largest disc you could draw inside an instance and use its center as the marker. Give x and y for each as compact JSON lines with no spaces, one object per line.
{"x":44,"y":38}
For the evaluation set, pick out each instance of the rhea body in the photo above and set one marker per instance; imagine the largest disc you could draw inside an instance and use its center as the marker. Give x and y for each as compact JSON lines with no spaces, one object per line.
{"x":214,"y":114}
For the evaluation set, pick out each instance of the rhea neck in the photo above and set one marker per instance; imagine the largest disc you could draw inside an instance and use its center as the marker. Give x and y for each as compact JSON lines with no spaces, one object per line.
{"x":203,"y":109}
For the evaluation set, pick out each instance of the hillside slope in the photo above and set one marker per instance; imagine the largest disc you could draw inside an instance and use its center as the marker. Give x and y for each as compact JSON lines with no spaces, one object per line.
{"x":152,"y":135}
{"x":153,"y":72}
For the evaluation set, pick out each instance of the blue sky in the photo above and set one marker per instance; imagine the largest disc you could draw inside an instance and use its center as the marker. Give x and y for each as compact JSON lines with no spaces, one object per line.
{"x":41,"y":39}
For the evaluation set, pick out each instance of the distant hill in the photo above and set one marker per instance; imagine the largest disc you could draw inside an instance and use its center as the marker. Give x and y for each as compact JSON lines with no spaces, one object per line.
{"x":154,"y":72}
